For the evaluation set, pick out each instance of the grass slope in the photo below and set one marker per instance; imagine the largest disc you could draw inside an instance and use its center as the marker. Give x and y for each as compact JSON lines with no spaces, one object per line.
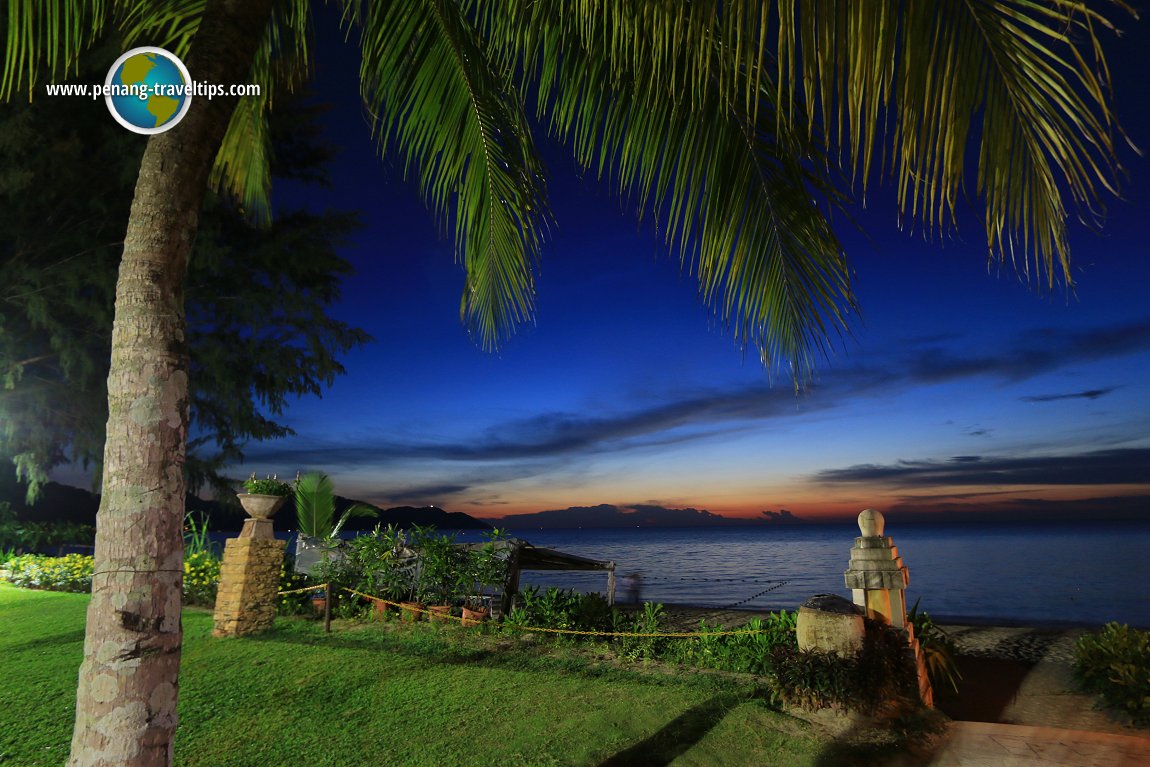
{"x":382,"y":694}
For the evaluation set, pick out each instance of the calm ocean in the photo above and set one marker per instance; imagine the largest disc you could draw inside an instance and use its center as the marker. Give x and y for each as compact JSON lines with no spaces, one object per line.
{"x":1034,"y":574}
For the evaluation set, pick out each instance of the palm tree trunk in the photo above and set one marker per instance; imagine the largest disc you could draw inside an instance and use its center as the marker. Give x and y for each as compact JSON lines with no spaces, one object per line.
{"x":126,"y":697}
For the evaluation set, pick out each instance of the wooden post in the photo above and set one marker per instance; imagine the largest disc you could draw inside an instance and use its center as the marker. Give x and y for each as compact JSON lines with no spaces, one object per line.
{"x":327,"y":608}
{"x":611,"y":583}
{"x":511,"y":583}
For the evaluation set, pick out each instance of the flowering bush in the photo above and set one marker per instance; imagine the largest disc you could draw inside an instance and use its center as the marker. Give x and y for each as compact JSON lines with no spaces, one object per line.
{"x":68,"y":573}
{"x":74,"y":573}
{"x":298,"y":603}
{"x":201,"y":578}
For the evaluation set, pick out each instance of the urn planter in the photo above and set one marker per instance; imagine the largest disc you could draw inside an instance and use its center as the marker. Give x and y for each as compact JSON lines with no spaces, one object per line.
{"x":260,"y":509}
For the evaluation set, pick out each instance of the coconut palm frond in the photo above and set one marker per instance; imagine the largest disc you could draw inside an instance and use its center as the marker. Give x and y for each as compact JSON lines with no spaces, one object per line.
{"x":669,"y":46}
{"x":242,"y":170}
{"x":434,"y":96}
{"x":731,"y":189}
{"x":1023,"y":82}
{"x":169,"y":25}
{"x":44,"y":38}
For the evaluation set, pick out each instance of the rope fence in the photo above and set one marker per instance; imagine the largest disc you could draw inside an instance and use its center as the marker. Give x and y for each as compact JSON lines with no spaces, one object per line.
{"x":300,"y":591}
{"x":411,"y":608}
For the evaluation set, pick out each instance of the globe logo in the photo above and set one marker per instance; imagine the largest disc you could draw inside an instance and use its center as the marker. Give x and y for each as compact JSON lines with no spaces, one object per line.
{"x":148,"y":90}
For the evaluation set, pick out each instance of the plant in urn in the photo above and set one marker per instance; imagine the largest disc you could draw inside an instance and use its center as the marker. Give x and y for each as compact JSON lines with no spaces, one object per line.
{"x":262,"y":499}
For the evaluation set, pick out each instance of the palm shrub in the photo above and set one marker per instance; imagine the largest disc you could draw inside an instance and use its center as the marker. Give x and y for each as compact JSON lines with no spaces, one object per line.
{"x":937,"y":647}
{"x":315,"y":507}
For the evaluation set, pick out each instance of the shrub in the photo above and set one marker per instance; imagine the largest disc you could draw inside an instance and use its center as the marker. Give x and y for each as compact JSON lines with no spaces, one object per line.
{"x":744,"y":653}
{"x":882,"y":674}
{"x":1115,"y":663}
{"x":32,"y":537}
{"x":297,"y":603}
{"x":561,"y":609}
{"x":201,"y":578}
{"x":68,"y":573}
{"x":647,"y":622}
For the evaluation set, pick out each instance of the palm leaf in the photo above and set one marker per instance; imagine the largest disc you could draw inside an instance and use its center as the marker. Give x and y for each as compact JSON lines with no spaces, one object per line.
{"x":44,"y":38}
{"x":242,"y":170}
{"x":730,"y":188}
{"x":355,"y":510}
{"x":433,"y":95}
{"x":1023,"y":82}
{"x":314,"y":504}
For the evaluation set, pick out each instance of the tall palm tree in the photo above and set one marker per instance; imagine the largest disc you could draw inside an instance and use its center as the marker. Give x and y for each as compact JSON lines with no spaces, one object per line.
{"x":738,"y":126}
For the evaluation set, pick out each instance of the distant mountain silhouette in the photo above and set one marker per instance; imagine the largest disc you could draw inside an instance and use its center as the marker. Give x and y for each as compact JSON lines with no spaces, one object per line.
{"x":639,"y":515}
{"x":406,"y":516}
{"x":63,"y":503}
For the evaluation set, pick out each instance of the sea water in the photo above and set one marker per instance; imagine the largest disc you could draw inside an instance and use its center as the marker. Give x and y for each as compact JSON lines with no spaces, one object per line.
{"x":1056,"y":574}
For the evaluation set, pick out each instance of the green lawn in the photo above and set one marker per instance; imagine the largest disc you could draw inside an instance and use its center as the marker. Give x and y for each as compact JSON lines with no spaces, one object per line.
{"x":378,"y":694}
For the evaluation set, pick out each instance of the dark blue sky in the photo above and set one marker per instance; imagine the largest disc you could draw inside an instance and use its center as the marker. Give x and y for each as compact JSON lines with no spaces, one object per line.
{"x":959,"y":388}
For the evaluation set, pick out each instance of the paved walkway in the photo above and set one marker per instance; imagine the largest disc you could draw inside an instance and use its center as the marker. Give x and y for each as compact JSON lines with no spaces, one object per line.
{"x":979,"y":744}
{"x":1046,"y":723}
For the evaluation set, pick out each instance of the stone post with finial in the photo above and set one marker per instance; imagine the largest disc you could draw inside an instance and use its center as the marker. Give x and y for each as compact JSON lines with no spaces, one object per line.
{"x":876,"y":575}
{"x":878,"y":579}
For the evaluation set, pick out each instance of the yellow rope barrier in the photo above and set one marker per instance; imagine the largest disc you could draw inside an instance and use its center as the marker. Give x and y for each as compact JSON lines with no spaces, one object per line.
{"x":673,"y":635}
{"x":300,"y":591}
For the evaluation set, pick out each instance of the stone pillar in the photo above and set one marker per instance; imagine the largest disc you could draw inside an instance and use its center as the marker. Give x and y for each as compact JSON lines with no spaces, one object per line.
{"x":876,"y":575}
{"x":249,"y":580}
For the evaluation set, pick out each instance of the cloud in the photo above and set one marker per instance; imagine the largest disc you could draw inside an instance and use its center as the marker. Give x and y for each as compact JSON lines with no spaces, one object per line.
{"x":704,"y":415}
{"x":1090,"y":394}
{"x":423,"y":493}
{"x":1032,"y":353}
{"x":781,"y":516}
{"x":1100,"y":467}
{"x":1030,"y":510}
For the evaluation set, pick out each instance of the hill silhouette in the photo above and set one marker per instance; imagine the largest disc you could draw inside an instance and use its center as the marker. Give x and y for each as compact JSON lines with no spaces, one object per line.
{"x":639,"y":515}
{"x":64,"y":503}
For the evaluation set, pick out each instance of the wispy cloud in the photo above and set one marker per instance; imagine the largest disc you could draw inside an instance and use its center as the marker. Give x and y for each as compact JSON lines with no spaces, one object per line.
{"x":701,"y":416}
{"x":1090,"y":394}
{"x":1031,"y":353}
{"x":1100,"y":467}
